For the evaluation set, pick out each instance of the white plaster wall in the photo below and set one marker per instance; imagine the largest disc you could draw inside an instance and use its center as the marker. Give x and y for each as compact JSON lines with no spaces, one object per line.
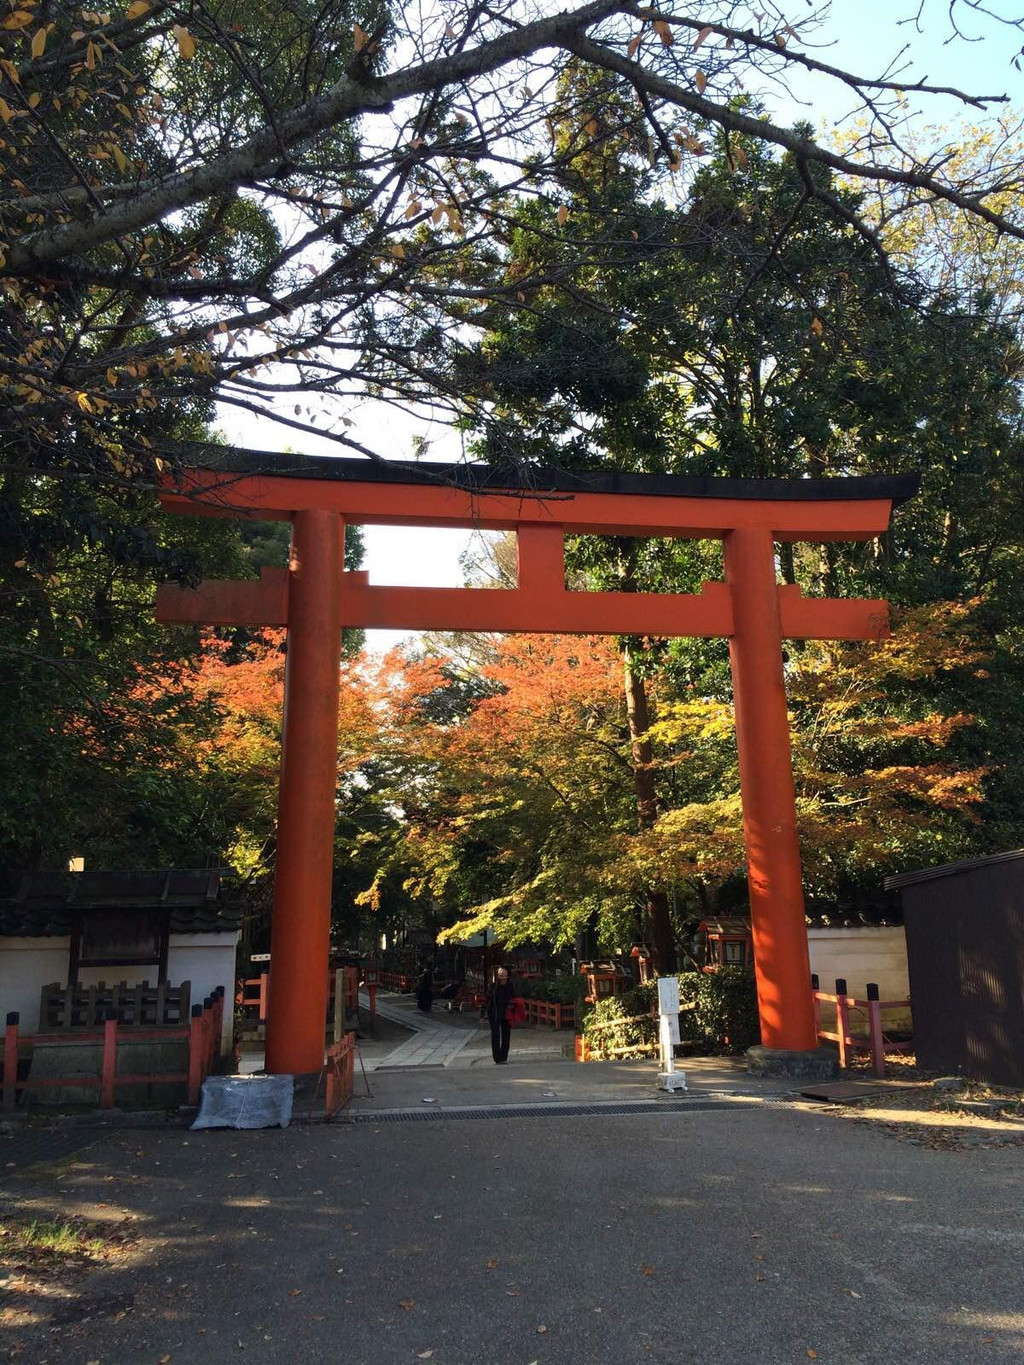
{"x":863,"y":953}
{"x":208,"y":961}
{"x":26,"y":966}
{"x":29,"y":964}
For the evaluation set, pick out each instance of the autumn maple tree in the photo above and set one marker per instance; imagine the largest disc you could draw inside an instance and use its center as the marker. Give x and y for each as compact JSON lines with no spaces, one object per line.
{"x":517,"y":799}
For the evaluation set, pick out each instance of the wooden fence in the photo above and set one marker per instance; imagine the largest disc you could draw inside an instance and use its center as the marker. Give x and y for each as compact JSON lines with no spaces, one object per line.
{"x":139,"y":1006}
{"x":876,"y":1043}
{"x":589,"y":1047}
{"x":401,"y":982}
{"x":253,"y":993}
{"x":551,"y":1012}
{"x":202,"y":1032}
{"x":341,"y":1071}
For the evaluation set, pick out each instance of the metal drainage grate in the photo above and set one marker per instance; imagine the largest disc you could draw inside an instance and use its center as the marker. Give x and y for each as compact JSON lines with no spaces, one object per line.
{"x":537,"y":1111}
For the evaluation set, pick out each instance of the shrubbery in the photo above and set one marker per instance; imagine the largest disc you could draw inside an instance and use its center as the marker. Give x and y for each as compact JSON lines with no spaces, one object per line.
{"x":564,"y":989}
{"x":623,"y":1021}
{"x":719,"y":1014}
{"x":724,"y":1013}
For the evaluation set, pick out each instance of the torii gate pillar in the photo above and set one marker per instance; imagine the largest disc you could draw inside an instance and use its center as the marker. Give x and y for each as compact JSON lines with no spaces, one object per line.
{"x":784,"y":1002}
{"x":301,"y":924}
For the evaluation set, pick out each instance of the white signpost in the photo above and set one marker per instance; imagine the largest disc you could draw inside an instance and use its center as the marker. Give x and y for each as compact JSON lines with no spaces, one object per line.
{"x":668,"y":1017}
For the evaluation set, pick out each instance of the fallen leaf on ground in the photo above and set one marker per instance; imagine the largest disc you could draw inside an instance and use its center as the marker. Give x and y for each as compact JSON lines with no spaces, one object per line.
{"x":407,"y":1304}
{"x":542,"y":1329}
{"x":492,"y":1263}
{"x":811,"y":1355}
{"x":294,"y":1292}
{"x":647,"y":1269}
{"x":424,"y":1355}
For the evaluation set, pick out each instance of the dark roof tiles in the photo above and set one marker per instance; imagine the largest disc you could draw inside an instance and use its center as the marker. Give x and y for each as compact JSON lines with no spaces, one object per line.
{"x":48,"y":904}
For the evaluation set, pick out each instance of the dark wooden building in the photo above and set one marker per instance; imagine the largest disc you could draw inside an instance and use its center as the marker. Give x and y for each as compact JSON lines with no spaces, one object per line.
{"x":965,"y":948}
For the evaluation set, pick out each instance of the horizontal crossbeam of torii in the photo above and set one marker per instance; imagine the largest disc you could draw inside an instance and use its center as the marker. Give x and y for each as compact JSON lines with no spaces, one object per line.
{"x":315,"y":598}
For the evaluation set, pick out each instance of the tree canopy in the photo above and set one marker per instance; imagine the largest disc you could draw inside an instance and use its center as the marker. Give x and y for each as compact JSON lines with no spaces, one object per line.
{"x":291,"y":206}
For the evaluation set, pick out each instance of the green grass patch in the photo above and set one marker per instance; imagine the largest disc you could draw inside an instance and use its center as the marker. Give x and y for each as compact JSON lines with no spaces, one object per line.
{"x":48,"y":1238}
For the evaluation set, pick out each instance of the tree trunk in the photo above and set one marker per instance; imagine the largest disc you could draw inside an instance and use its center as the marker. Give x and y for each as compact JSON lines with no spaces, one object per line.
{"x":659,"y":922}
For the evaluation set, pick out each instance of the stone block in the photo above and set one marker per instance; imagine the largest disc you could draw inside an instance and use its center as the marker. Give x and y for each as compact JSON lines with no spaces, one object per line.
{"x":814,"y":1064}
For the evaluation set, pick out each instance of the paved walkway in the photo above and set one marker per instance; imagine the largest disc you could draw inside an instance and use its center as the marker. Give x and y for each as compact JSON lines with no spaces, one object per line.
{"x":438,"y":1037}
{"x":544,"y":1082}
{"x":746,"y":1235}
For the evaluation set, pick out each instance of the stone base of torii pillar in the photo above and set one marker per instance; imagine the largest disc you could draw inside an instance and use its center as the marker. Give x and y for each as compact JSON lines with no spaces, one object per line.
{"x":812,"y":1064}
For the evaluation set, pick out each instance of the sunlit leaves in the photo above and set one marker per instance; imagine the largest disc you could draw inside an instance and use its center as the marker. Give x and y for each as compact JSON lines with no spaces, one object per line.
{"x":186,"y":42}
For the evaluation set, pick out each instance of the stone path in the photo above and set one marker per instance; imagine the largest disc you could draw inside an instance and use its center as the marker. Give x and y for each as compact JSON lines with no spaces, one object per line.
{"x":437,"y":1039}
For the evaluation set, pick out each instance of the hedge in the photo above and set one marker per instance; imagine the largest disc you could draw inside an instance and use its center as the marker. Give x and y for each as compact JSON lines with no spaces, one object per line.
{"x":719,"y":1014}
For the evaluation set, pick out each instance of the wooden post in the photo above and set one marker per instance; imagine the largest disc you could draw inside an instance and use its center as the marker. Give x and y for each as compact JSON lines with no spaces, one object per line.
{"x":842,"y":1021}
{"x":301,"y":924}
{"x":817,"y":1004}
{"x":781,"y":961}
{"x":109,"y":1068}
{"x":10,"y":1092}
{"x":339,"y":1004}
{"x":875,"y":1030}
{"x":195,"y":1055}
{"x":264,"y":994}
{"x":218,"y":1022}
{"x":207,"y":1018}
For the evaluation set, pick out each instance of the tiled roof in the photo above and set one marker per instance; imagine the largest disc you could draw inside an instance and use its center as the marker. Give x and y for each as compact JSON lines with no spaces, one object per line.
{"x":48,"y":904}
{"x":726,"y":924}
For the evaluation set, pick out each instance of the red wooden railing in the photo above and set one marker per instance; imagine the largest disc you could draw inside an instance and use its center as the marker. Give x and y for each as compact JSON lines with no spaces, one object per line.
{"x":551,"y":1012}
{"x":876,"y":1043}
{"x":203,"y":1033}
{"x":402,"y":982}
{"x":253,"y":993}
{"x":341,"y":1072}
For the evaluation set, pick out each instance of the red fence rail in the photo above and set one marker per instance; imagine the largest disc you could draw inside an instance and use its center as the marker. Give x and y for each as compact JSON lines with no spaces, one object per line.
{"x":203,"y":1034}
{"x":341,"y":1073}
{"x":253,"y":993}
{"x":876,"y":1043}
{"x":551,"y":1012}
{"x":401,"y":982}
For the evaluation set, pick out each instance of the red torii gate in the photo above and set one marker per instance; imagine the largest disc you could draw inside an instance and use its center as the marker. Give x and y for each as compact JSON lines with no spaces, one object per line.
{"x":315,"y":597}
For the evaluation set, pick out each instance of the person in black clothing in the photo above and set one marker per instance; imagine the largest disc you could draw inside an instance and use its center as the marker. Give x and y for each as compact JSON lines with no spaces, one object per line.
{"x":425,"y":991}
{"x":499,"y":996}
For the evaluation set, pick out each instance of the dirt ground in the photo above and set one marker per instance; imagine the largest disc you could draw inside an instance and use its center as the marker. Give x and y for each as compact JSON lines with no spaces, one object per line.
{"x":947,"y":1113}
